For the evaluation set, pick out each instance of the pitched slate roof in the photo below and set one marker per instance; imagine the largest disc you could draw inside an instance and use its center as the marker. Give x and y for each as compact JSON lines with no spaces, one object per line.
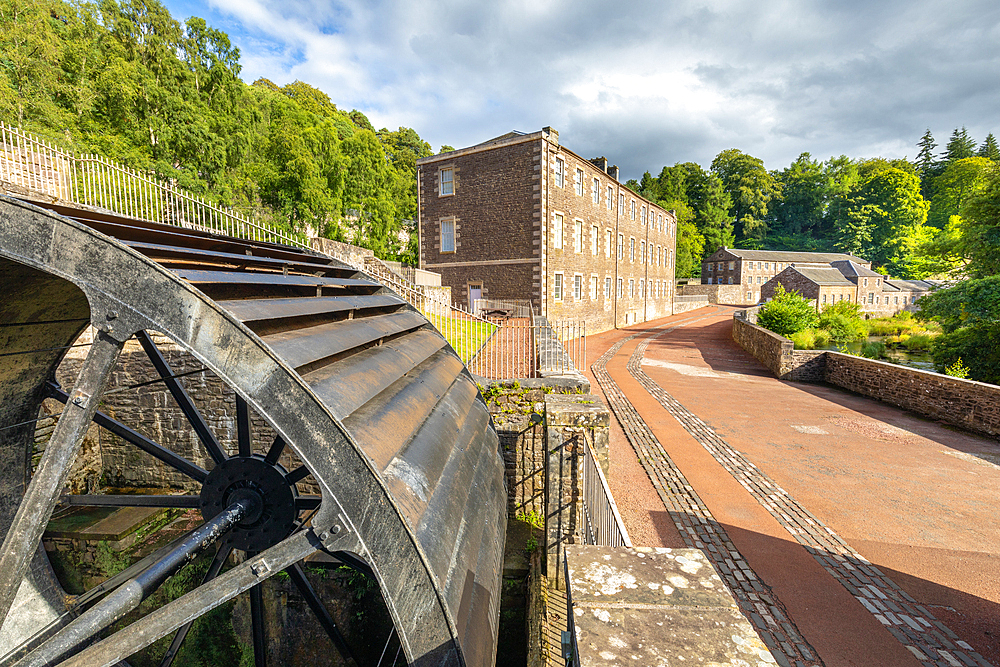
{"x":790,"y":257}
{"x":822,"y":276}
{"x":852,"y":270}
{"x":910,"y":285}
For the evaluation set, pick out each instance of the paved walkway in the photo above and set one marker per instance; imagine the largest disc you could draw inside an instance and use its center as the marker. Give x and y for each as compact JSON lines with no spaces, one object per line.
{"x":851,"y":532}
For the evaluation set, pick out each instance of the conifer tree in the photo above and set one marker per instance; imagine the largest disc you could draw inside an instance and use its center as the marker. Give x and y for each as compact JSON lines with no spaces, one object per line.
{"x":925,"y":158}
{"x":989,"y":148}
{"x":960,"y":146}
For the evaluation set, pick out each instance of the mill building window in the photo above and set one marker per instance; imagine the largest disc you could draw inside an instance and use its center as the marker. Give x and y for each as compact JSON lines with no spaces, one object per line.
{"x":593,"y":288}
{"x":610,"y":197}
{"x":595,"y":191}
{"x":621,"y":243}
{"x":560,"y":172}
{"x":631,"y":250}
{"x":607,"y":288}
{"x":578,"y":236}
{"x":448,"y":235}
{"x":557,"y":230}
{"x":557,"y":286}
{"x":578,"y":183}
{"x":577,"y":287}
{"x":595,"y":239}
{"x":608,"y":242}
{"x":447,"y":180}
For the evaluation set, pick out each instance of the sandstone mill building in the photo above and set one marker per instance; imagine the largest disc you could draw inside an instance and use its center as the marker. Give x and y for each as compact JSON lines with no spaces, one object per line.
{"x":522,"y":217}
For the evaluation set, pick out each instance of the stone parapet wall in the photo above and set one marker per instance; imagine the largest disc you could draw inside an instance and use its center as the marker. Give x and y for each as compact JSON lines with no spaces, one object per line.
{"x":731,"y":295}
{"x":345,"y":252}
{"x":689,"y":304}
{"x":965,"y":403}
{"x":971,"y":405}
{"x":778,"y":353}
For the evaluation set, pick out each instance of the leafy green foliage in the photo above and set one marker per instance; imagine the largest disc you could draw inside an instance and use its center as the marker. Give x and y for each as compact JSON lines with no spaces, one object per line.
{"x":979,"y":241}
{"x":787,"y":313}
{"x":969,"y":314}
{"x":122,"y":78}
{"x":957,"y":369}
{"x":750,"y":188}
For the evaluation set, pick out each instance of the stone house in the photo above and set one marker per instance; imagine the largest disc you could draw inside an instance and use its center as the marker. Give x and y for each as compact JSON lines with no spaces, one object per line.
{"x":523,"y":217}
{"x":753,"y":268}
{"x":844,"y":280}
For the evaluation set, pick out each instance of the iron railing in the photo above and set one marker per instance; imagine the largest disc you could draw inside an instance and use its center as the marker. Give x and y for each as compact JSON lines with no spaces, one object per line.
{"x":602,"y":524}
{"x":511,"y":307}
{"x":35,"y":165}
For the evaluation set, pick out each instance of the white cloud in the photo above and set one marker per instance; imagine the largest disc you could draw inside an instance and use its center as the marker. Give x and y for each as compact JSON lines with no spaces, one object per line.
{"x":644,"y":83}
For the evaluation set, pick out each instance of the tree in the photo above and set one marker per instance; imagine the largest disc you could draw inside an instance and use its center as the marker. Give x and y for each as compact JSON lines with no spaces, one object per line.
{"x":969,"y":314}
{"x":751,"y":189}
{"x":805,"y":192}
{"x":926,"y":163}
{"x":787,"y":313}
{"x":954,"y":188}
{"x":981,"y":238}
{"x":989,"y":149}
{"x":883,"y":217}
{"x":960,"y":146}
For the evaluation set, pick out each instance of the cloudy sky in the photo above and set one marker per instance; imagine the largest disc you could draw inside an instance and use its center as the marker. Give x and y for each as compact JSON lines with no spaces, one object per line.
{"x":645,"y":83}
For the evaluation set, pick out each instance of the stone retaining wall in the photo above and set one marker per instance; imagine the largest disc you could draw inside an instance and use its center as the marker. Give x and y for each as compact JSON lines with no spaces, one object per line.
{"x":778,"y":353}
{"x":965,"y":403}
{"x":684,"y":305}
{"x":733,"y":295}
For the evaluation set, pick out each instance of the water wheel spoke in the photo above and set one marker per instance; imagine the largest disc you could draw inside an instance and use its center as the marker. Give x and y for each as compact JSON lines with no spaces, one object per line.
{"x":298,"y":576}
{"x":297,"y":475}
{"x":213,"y":571}
{"x":129,"y":595}
{"x":187,"y":406}
{"x":180,"y":502}
{"x":305,"y":503}
{"x":190,"y":606}
{"x":133,"y":437}
{"x":46,"y":484}
{"x":274,"y":453}
{"x":244,"y":435}
{"x":257,"y":626}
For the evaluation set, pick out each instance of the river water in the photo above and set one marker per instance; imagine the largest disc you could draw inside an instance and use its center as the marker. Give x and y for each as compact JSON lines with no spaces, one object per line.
{"x":922,"y":360}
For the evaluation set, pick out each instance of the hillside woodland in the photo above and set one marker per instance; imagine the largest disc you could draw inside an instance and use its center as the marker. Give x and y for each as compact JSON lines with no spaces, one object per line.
{"x":123,"y":79}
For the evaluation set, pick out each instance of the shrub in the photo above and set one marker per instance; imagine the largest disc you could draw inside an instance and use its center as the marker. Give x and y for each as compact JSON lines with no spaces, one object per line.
{"x":874,"y":350}
{"x":957,"y":370}
{"x":822,"y":337}
{"x":804,"y":340}
{"x":919,"y":342}
{"x":849,"y":309}
{"x":843,"y":329}
{"x":787,"y":313}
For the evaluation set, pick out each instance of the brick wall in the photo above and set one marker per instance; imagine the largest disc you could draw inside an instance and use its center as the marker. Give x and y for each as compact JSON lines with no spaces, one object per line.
{"x":965,"y":403}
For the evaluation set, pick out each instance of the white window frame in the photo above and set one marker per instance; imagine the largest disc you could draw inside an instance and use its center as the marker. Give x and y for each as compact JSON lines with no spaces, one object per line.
{"x":621,"y":287}
{"x":560,"y":172}
{"x":621,"y":247}
{"x":631,"y":249}
{"x":642,"y":252}
{"x":578,"y":236}
{"x":557,"y":286}
{"x":593,"y":286}
{"x":446,"y":188}
{"x":631,"y":288}
{"x":631,"y":209}
{"x":578,"y":182}
{"x":578,"y":287}
{"x":558,"y":223}
{"x":607,"y":287}
{"x":446,"y":224}
{"x":595,"y":240}
{"x":611,"y":197}
{"x":595,"y":190}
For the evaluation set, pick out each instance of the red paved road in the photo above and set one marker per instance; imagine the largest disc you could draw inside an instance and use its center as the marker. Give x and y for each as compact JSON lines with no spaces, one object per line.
{"x":917,"y":499}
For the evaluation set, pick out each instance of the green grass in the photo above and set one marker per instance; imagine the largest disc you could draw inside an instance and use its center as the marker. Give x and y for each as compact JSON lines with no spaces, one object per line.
{"x":466,"y":336}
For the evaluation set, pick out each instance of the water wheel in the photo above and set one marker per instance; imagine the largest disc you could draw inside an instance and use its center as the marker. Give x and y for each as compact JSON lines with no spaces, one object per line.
{"x":356,"y":386}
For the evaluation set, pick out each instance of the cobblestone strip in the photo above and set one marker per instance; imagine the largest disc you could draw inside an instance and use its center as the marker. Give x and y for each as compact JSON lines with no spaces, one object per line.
{"x":929,"y":640}
{"x":700,"y":530}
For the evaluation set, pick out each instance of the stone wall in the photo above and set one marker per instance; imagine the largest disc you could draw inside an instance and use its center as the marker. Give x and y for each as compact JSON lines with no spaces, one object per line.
{"x":966,"y":403}
{"x":732,"y":295}
{"x":345,"y":252}
{"x":684,"y":304}
{"x":778,"y":353}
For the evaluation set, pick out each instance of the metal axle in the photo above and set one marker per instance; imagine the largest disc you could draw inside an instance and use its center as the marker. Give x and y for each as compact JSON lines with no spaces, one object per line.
{"x":127,"y":597}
